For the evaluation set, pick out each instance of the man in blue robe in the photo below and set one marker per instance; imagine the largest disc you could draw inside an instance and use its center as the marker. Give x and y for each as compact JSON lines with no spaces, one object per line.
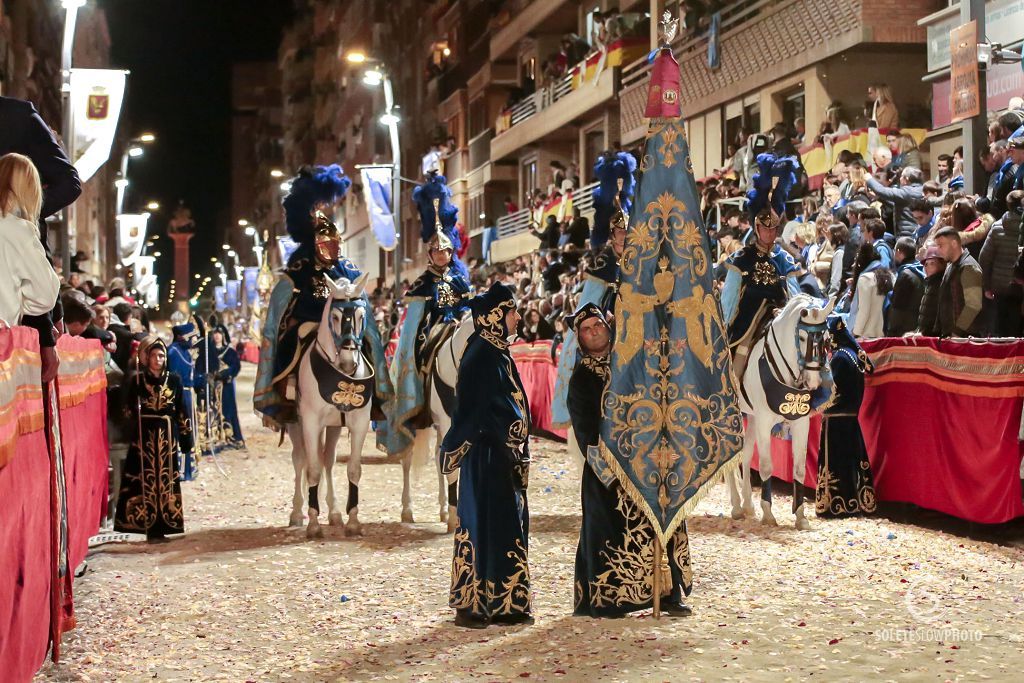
{"x":181,"y":362}
{"x":760,"y":277}
{"x":229,"y":364}
{"x":489,"y":443}
{"x":613,"y":568}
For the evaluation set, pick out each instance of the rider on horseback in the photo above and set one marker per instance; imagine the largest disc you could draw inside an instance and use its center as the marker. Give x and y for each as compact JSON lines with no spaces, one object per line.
{"x":301,"y":292}
{"x":761,"y":277}
{"x":435,"y":304}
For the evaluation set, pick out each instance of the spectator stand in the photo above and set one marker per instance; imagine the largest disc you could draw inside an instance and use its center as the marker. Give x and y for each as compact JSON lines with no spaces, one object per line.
{"x":513,"y":231}
{"x":820,"y":157}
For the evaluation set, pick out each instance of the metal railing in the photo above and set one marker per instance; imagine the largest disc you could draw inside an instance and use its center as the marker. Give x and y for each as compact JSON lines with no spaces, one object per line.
{"x":519,"y":222}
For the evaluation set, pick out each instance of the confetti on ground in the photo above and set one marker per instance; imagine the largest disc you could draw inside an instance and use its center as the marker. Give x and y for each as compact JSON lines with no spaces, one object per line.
{"x":240,"y":597}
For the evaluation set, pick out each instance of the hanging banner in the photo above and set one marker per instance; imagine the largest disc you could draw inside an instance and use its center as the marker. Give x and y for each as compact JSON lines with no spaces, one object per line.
{"x":286,"y":245}
{"x":96,"y":98}
{"x":250,"y":277}
{"x":232,"y":290}
{"x":144,"y":272}
{"x":377,"y":191}
{"x":131,"y":236}
{"x":965,"y":101}
{"x":219,"y":295}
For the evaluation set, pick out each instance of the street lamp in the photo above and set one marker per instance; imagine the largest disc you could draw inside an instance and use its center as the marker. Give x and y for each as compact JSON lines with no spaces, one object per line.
{"x":153,"y":206}
{"x":134,"y":151}
{"x":276,"y":173}
{"x":378,"y":75}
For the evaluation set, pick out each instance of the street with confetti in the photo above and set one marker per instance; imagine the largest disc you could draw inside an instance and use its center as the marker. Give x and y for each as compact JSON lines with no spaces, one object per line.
{"x":242,"y":597}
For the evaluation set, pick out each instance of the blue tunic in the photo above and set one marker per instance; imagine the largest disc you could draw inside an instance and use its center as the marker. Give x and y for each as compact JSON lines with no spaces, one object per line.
{"x":229,"y":367}
{"x":755,"y":283}
{"x":488,"y":441}
{"x":179,"y":363}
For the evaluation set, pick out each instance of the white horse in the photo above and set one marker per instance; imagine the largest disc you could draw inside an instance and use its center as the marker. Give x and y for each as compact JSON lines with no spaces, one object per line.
{"x":440,"y":403}
{"x":785,"y":365}
{"x":335,"y":388}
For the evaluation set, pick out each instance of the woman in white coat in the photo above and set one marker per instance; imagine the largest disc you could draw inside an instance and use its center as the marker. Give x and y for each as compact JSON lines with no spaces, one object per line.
{"x":871,"y":283}
{"x":28,"y":285}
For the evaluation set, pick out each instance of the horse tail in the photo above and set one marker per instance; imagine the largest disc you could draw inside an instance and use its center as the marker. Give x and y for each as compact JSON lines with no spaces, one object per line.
{"x":422,"y":453}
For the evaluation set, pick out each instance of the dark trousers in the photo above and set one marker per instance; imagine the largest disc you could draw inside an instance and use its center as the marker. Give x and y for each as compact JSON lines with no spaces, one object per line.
{"x":1008,"y":319}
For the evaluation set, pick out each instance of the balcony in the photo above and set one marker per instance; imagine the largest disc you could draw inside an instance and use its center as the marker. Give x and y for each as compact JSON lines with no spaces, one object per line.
{"x":552,"y":108}
{"x":752,"y":53}
{"x":523,"y":18}
{"x":514,"y":237}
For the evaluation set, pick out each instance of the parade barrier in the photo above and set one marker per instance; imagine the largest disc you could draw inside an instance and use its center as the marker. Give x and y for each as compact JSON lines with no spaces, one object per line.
{"x":537,"y":370}
{"x":941,"y":422}
{"x":49,"y":506}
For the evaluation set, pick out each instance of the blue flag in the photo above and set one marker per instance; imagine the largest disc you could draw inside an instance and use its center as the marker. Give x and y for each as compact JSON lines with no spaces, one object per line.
{"x":671,"y":424}
{"x":377,"y":193}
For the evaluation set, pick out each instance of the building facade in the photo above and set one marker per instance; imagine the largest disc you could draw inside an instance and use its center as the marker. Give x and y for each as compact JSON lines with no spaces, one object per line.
{"x":30,"y":45}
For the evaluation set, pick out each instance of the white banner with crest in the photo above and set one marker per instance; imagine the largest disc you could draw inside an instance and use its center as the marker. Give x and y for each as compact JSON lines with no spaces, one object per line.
{"x":96,"y":98}
{"x":131,"y":236}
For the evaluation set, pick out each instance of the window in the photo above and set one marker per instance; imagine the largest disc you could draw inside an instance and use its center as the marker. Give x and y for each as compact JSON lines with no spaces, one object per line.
{"x":792,"y":107}
{"x":477,"y":116}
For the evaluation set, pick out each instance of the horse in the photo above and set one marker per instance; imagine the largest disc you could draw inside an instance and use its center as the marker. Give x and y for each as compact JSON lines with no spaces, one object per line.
{"x":781,"y":383}
{"x":335,"y":389}
{"x":440,"y":404}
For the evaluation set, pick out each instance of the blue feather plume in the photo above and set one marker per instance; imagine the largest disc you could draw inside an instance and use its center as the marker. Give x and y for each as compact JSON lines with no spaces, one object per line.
{"x":436,"y":187}
{"x":311,"y":186}
{"x":772,"y":167}
{"x":608,"y":170}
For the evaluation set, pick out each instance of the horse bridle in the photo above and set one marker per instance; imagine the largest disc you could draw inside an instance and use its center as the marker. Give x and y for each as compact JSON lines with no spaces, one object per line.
{"x":811,"y":359}
{"x":348,"y":315}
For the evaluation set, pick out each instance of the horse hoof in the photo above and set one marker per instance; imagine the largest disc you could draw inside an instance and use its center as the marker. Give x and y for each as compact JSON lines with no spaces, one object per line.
{"x":444,"y":517}
{"x":738,"y":513}
{"x":334,"y":519}
{"x":748,"y":511}
{"x":802,"y":524}
{"x":407,"y":517}
{"x":354,"y":530}
{"x":314,"y":530}
{"x":296,"y":520}
{"x":768,"y":519}
{"x":453,"y":523}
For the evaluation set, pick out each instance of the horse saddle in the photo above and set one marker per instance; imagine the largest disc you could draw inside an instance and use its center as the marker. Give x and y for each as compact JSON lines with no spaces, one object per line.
{"x":785,"y":401}
{"x":340,"y":390}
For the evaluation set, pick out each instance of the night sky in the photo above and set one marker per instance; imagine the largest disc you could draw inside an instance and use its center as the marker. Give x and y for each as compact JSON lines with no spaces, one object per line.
{"x":180,"y":53}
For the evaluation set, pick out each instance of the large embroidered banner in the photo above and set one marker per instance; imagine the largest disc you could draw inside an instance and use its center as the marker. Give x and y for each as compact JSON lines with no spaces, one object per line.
{"x":671,"y":423}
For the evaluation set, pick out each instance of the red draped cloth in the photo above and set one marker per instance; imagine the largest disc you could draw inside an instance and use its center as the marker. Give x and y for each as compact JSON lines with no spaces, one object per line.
{"x":941,"y":420}
{"x":35,"y":604}
{"x":538,"y":371}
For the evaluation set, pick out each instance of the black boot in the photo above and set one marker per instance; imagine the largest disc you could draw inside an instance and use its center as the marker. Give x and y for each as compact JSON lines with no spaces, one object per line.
{"x":675,"y":608}
{"x":466,"y":619}
{"x":526,"y":619}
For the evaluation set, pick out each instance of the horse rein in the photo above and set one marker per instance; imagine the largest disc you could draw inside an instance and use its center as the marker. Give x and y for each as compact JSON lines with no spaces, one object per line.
{"x":811,"y":358}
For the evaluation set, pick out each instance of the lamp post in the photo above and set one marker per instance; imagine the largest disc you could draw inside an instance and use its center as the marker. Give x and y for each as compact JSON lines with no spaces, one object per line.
{"x":71,"y":8}
{"x":257,"y":246}
{"x":378,"y":75}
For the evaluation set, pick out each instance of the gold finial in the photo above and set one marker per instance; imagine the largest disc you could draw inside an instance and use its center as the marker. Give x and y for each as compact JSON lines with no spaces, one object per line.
{"x":669,"y":26}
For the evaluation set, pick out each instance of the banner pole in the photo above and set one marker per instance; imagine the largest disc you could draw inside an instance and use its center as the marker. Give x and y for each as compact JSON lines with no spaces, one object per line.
{"x":656,"y":567}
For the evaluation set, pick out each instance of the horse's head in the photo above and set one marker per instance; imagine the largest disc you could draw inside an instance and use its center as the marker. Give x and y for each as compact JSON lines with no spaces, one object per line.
{"x":805,"y":322}
{"x":345,"y":321}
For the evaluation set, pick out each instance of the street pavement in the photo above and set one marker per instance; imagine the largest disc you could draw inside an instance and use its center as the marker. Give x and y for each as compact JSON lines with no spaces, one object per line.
{"x":240,"y":597}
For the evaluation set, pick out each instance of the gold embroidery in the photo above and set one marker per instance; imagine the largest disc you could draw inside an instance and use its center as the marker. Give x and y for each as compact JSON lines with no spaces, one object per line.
{"x":765,"y":273}
{"x":349,"y":394}
{"x":450,"y":460}
{"x":670,"y":144}
{"x":470,"y":592}
{"x":796,"y":404}
{"x":828,"y":498}
{"x":491,"y":325}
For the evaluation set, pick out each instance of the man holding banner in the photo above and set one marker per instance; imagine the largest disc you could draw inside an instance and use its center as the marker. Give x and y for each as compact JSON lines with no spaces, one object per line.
{"x":670,"y":426}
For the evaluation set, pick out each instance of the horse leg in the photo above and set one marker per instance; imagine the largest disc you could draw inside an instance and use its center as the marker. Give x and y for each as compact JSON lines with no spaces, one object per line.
{"x":311,"y":444}
{"x":329,"y":457}
{"x":739,"y":482}
{"x":299,"y":463}
{"x":451,"y":481}
{"x":763,"y":434}
{"x":358,"y":424}
{"x":407,"y":461}
{"x":799,"y":430}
